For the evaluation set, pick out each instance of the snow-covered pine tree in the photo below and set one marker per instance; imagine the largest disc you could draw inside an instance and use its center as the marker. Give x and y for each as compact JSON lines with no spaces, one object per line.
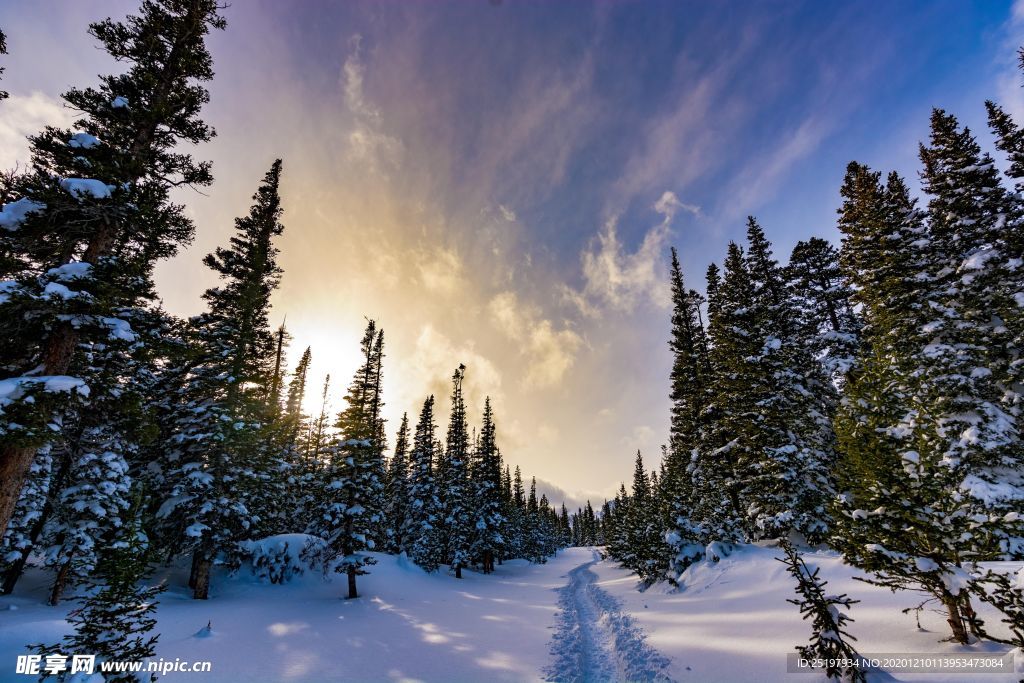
{"x":317,"y":437}
{"x":645,"y":553}
{"x":225,"y":463}
{"x":296,"y":422}
{"x":116,"y":621}
{"x":396,"y":491}
{"x":825,"y":321}
{"x":486,"y":483}
{"x":458,"y":500}
{"x":788,"y":481}
{"x":928,"y":444}
{"x":828,"y":616}
{"x":423,"y":528}
{"x":93,"y":216}
{"x":351,"y":506}
{"x":729,"y":450}
{"x":690,"y":388}
{"x":517,"y":541}
{"x":46,"y":478}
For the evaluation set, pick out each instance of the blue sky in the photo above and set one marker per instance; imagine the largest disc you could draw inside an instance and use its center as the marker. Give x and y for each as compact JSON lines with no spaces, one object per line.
{"x":499,"y":182}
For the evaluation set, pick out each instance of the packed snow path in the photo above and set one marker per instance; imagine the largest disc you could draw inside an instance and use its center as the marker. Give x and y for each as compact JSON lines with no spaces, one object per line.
{"x":595,"y":641}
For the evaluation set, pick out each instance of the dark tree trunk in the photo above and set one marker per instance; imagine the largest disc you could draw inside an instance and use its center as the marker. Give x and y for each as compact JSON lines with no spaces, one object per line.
{"x":60,"y":582}
{"x":16,"y":569}
{"x":201,"y":591}
{"x":955,"y":620}
{"x":195,"y":569}
{"x":458,"y":572}
{"x":352,"y":594}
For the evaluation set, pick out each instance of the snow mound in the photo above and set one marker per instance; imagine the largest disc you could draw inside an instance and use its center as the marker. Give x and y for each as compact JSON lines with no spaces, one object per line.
{"x":278,"y":559}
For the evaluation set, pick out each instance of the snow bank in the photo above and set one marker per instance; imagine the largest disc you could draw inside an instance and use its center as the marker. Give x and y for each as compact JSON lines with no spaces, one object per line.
{"x":730,"y":620}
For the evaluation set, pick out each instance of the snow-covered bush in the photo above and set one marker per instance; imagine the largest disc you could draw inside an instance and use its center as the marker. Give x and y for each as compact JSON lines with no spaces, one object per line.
{"x":277,"y":559}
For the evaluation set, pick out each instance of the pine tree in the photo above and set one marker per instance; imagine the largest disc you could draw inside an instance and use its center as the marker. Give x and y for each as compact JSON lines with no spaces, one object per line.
{"x":225,"y":459}
{"x":351,"y":509}
{"x":825,"y":321}
{"x":458,"y":515}
{"x":94,"y":216}
{"x":789,"y":481}
{"x":927,"y":440}
{"x":3,"y":51}
{"x":294,"y":421}
{"x":396,"y":492}
{"x":828,"y":619}
{"x":486,"y":481}
{"x":424,"y":527}
{"x":116,"y":621}
{"x":690,"y":388}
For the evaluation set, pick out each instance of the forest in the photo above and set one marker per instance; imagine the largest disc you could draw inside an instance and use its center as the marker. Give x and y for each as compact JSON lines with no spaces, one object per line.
{"x":861,"y":398}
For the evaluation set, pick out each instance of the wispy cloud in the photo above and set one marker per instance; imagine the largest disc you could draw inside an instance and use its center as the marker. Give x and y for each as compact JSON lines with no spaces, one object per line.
{"x":549,"y":352}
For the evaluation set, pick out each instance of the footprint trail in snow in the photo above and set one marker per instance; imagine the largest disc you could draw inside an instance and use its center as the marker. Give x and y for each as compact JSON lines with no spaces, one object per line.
{"x":595,"y":642}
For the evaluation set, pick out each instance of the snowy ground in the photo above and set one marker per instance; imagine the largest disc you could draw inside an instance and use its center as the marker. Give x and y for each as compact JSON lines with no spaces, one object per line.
{"x":573,"y":619}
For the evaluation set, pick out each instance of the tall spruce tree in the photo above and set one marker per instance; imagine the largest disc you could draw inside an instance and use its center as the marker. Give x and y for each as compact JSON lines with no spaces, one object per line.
{"x":396,"y":492}
{"x":115,"y":622}
{"x":486,"y":480}
{"x":222,"y":457}
{"x":690,"y":382}
{"x":423,"y":528}
{"x":351,"y":508}
{"x":94,"y":216}
{"x":458,"y":501}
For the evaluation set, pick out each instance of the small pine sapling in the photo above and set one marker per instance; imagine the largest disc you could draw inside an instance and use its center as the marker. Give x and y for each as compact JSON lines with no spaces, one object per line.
{"x":828,"y":620}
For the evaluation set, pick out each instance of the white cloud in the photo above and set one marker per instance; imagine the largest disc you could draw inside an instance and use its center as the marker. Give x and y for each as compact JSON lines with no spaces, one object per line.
{"x":507,"y":213}
{"x":619,"y":279}
{"x":550,"y":353}
{"x":440,"y":270}
{"x":25,"y":115}
{"x":668,"y":205}
{"x":434,"y":359}
{"x":367,"y":143}
{"x":1008,"y":83}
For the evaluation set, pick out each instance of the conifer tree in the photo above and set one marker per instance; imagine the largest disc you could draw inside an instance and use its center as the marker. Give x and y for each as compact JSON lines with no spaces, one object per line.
{"x":825,"y":322}
{"x":458,"y":515}
{"x":3,"y":51}
{"x":690,"y":388}
{"x":396,"y":493}
{"x":115,"y":622}
{"x":486,"y":480}
{"x":424,"y":527}
{"x":294,"y":419}
{"x":828,"y":617}
{"x":352,"y":487}
{"x":928,"y":443}
{"x":225,"y":462}
{"x":94,"y":216}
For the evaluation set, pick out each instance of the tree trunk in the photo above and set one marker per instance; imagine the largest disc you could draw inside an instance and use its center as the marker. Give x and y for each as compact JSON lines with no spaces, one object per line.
{"x":16,"y":569}
{"x":955,"y":620}
{"x":458,"y":571}
{"x":59,"y":584}
{"x":352,"y":594}
{"x":15,"y":462}
{"x":195,"y":569}
{"x":201,"y":590}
